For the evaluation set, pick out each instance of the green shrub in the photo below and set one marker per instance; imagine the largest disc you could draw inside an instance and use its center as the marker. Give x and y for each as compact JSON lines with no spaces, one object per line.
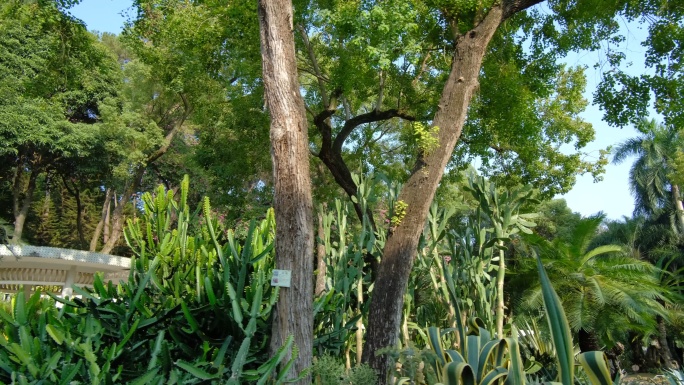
{"x":330,"y":371}
{"x":195,"y":309}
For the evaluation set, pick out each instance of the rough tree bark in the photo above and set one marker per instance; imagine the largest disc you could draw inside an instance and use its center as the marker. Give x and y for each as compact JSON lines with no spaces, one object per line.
{"x":418,"y":192}
{"x":292,"y":201}
{"x":320,"y":257}
{"x":666,"y":357}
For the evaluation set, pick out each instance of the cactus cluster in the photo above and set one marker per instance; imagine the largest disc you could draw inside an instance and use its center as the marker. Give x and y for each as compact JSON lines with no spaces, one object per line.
{"x":195,"y":309}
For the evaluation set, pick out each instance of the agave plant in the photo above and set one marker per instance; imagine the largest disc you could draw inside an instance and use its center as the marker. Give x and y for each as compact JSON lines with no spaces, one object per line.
{"x":480,"y":359}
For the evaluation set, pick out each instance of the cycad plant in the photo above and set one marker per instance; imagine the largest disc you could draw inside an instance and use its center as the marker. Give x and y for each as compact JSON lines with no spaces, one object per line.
{"x":604,"y":290}
{"x":655,"y":240}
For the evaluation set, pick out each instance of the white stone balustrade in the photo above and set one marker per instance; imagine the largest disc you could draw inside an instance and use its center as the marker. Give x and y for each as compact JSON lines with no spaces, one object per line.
{"x":52,"y":267}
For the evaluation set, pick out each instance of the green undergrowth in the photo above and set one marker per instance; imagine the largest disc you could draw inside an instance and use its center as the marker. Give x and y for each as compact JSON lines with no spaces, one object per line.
{"x":196,"y":308}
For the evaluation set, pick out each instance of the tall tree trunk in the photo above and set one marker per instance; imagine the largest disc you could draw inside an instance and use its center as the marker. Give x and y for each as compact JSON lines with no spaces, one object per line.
{"x":418,"y":192}
{"x":292,"y":201}
{"x":116,"y":226}
{"x":107,"y":230}
{"x":103,"y":218}
{"x":677,"y":200}
{"x":118,"y":219}
{"x":500,"y":306}
{"x":320,"y":256}
{"x":588,"y":341}
{"x":667,"y":359}
{"x":22,"y":205}
{"x":76,"y":193}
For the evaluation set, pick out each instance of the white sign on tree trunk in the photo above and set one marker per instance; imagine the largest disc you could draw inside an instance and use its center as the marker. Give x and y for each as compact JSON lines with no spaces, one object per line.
{"x":281,"y":278}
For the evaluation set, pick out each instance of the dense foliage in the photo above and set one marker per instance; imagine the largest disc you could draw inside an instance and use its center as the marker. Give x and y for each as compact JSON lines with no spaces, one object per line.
{"x":196,"y":307}
{"x":89,"y":122}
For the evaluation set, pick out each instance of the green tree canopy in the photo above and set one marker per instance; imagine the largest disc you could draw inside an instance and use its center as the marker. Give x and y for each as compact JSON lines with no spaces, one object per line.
{"x":54,"y":75}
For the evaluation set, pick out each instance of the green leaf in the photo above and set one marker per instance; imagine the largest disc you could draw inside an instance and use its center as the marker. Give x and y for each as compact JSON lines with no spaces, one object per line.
{"x":237,"y":311}
{"x":435,"y":340}
{"x":220,"y":356}
{"x":8,"y":318}
{"x":19,"y":309}
{"x":210,"y":291}
{"x":157,"y":349}
{"x":55,"y":333}
{"x":240,"y":359}
{"x":128,"y":335}
{"x":146,"y":378}
{"x":458,"y":374}
{"x":494,"y":376}
{"x":516,"y":372}
{"x":70,"y":373}
{"x":595,"y":365}
{"x":197,"y":372}
{"x":558,"y":325}
{"x":189,"y":317}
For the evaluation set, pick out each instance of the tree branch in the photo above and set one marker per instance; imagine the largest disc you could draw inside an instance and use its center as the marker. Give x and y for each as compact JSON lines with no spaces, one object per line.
{"x":511,"y":7}
{"x":314,"y":64}
{"x":322,"y":122}
{"x":423,"y":66}
{"x":370,"y":117}
{"x":381,"y":91}
{"x":166,"y":143}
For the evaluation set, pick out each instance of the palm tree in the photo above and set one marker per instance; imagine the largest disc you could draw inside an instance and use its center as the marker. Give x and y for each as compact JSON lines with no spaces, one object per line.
{"x":605,"y":290}
{"x":650,"y":175}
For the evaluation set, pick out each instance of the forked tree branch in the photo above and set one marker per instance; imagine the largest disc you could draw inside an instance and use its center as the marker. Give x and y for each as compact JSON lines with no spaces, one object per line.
{"x":370,"y":117}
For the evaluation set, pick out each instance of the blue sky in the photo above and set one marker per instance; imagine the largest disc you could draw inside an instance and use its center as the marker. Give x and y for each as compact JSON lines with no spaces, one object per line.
{"x":611,"y":195}
{"x":103,"y":15}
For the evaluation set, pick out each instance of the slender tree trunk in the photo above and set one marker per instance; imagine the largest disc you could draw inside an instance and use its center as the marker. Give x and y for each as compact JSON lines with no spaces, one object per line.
{"x":500,"y":306}
{"x":359,"y":322}
{"x":588,"y":341}
{"x":677,"y":198}
{"x":418,"y":192}
{"x":667,"y":360}
{"x":108,"y":218}
{"x":320,"y":256}
{"x":118,"y":219}
{"x":79,"y":218}
{"x":292,"y":201}
{"x":116,"y":227}
{"x":103,"y":218}
{"x":79,"y":210}
{"x":22,"y":206}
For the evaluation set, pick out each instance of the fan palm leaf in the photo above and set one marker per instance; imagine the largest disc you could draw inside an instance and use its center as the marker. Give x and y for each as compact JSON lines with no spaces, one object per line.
{"x":649,"y":175}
